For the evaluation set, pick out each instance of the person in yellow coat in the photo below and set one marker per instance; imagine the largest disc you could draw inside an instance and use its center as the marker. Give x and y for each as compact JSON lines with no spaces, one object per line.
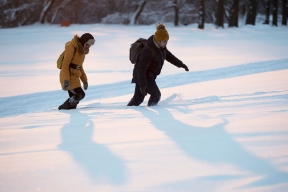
{"x":72,"y":70}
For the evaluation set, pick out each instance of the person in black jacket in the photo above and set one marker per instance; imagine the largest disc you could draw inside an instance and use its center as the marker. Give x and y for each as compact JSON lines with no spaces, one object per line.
{"x":149,"y":65}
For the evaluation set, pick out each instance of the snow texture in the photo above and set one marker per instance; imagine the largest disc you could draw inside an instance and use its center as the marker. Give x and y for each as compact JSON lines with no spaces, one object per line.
{"x":222,"y":126}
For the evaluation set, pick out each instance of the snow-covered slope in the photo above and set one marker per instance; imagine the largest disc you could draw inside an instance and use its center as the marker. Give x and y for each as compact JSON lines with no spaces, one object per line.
{"x":222,"y":126}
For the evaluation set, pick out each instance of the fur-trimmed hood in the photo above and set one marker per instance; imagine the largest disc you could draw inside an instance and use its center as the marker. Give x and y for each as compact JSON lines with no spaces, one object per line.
{"x":77,"y":44}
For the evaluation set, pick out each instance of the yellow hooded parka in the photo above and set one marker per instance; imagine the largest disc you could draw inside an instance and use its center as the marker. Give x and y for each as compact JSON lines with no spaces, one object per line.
{"x":70,"y":74}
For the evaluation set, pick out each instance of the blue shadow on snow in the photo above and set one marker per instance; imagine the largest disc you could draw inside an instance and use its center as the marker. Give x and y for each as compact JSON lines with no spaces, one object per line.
{"x":96,"y":159}
{"x":212,"y":145}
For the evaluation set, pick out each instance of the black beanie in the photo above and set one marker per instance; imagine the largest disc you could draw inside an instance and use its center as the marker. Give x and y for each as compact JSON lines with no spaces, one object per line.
{"x":85,"y":37}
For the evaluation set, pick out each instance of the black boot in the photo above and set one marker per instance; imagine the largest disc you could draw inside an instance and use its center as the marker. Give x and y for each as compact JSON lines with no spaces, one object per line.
{"x":74,"y":106}
{"x":66,"y":105}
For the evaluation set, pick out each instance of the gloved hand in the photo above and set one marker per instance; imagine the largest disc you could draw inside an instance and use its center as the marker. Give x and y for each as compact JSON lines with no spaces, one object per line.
{"x":85,"y":85}
{"x":185,"y":67}
{"x":144,"y":90}
{"x":65,"y":85}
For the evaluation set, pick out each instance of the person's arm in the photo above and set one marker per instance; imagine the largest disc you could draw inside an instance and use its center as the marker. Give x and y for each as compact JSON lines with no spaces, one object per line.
{"x":65,"y":70}
{"x":175,"y":61}
{"x":83,"y":76}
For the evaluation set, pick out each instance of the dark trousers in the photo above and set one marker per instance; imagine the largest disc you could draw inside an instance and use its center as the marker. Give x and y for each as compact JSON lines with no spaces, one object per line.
{"x":153,"y":90}
{"x":76,"y":95}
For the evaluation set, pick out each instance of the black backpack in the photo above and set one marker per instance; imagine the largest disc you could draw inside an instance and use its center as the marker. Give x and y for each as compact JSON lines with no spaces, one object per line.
{"x":135,"y":49}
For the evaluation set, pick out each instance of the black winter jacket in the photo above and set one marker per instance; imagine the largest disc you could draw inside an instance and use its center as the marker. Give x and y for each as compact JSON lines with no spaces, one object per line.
{"x":149,"y":66}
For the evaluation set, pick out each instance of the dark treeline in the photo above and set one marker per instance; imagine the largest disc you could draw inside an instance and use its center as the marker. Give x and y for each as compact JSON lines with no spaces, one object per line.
{"x":14,"y":13}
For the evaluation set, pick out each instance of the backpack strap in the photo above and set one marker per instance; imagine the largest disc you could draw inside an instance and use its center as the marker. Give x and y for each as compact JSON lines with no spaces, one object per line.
{"x":74,"y":52}
{"x":153,"y":53}
{"x":70,"y":66}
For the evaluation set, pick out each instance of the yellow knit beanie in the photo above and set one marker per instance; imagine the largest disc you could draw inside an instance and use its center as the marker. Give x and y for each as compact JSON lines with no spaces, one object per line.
{"x":161,"y":33}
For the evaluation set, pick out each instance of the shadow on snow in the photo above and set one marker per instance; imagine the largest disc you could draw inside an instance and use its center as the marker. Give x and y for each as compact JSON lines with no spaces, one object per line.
{"x":96,"y":159}
{"x":212,"y":145}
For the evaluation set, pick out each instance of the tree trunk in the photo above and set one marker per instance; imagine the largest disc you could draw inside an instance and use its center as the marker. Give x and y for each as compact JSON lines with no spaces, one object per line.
{"x":252,"y":11}
{"x":275,"y":13}
{"x":46,"y":7}
{"x":137,"y":13}
{"x":176,"y":9}
{"x":284,"y":12}
{"x":201,"y":9}
{"x":220,"y":14}
{"x":61,"y":6}
{"x":24,"y":18}
{"x":267,"y":12}
{"x":233,"y":14}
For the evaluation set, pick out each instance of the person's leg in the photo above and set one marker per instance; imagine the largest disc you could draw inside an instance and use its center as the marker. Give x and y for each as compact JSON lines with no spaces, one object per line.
{"x":65,"y":105}
{"x":137,"y":98}
{"x":70,"y":93}
{"x":155,"y":93}
{"x":75,"y":95}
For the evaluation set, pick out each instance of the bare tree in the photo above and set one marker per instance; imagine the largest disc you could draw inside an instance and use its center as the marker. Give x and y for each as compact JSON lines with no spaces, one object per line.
{"x":176,"y":4}
{"x":267,"y":12}
{"x":17,"y":13}
{"x":139,"y":8}
{"x":233,"y":9}
{"x":46,"y":5}
{"x":284,"y":12}
{"x":201,"y":9}
{"x":59,"y":8}
{"x":252,"y":12}
{"x":275,"y":13}
{"x":220,"y":14}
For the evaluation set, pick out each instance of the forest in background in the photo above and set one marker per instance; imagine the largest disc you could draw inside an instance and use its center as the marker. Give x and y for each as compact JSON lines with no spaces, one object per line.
{"x":15,"y":13}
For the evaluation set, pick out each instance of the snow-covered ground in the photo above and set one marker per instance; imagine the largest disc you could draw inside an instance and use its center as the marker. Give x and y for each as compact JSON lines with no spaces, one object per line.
{"x":222,"y":126}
